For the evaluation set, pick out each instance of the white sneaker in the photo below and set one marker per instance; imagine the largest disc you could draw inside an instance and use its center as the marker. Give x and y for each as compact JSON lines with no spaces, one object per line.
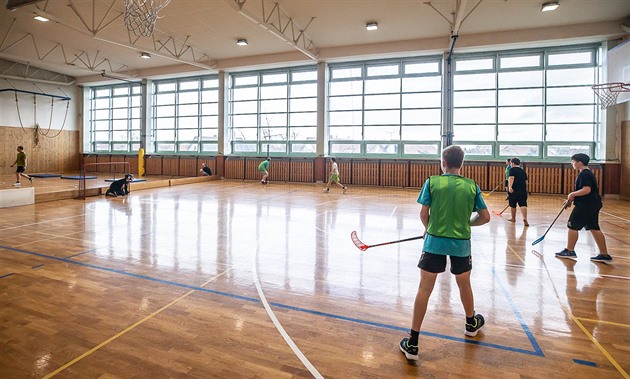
{"x":17,"y":184}
{"x":345,"y":189}
{"x":326,"y":190}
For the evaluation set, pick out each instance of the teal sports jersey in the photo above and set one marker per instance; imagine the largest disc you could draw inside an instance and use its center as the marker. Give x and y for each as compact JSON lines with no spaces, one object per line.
{"x":446,"y":245}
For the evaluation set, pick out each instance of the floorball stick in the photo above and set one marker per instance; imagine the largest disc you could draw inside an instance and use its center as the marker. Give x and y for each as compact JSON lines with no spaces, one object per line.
{"x":363,"y":247}
{"x":564,"y":206}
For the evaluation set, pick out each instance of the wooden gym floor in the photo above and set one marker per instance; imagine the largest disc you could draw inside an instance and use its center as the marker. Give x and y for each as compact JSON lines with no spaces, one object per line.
{"x":225,"y":279}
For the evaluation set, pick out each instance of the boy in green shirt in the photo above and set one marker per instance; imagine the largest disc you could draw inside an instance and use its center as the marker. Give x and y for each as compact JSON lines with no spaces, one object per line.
{"x":21,"y":162}
{"x":262,"y":167}
{"x":447,"y":203}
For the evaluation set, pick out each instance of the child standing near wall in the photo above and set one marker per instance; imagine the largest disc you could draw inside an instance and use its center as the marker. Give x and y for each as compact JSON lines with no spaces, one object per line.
{"x":21,"y":162}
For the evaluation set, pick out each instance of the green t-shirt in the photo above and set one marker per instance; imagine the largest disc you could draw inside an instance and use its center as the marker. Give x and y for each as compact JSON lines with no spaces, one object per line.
{"x":263,"y":166}
{"x":21,"y":159}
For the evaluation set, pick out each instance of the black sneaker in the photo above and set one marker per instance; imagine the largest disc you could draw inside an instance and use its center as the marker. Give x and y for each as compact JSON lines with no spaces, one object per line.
{"x":410,"y":351}
{"x":30,"y":180}
{"x":473,"y":329}
{"x":602,"y":258}
{"x":567,"y":254}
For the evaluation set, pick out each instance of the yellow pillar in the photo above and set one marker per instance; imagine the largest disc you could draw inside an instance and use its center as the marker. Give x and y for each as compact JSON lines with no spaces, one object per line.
{"x":140,"y":162}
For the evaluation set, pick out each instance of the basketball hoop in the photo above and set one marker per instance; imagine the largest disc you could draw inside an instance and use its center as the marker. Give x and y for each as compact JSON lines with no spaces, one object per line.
{"x":607,"y":93}
{"x":141,"y":15}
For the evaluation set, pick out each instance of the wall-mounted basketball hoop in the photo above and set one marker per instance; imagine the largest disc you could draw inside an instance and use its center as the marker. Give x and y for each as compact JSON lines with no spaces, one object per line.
{"x":607,"y":93}
{"x":141,"y":15}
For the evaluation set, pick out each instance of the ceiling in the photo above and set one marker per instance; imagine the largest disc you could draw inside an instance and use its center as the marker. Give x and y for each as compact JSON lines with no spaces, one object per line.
{"x":85,"y":37}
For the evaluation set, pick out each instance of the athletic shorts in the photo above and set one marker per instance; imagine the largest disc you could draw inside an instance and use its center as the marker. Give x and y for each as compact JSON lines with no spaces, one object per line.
{"x":334,"y":178}
{"x":20,"y":169}
{"x":519,"y":198}
{"x":436,"y":263}
{"x":584,"y":216}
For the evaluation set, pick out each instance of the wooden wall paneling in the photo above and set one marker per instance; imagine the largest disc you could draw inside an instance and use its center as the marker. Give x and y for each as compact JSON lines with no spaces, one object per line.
{"x":394,"y":173}
{"x":251,"y":168}
{"x":570,"y":174}
{"x":118,"y":168}
{"x":234,"y":168}
{"x":421,"y":170}
{"x":153,"y":164}
{"x":133,"y":163}
{"x":496,"y":175}
{"x":364,"y":172}
{"x":103,"y":158}
{"x":188,"y":166}
{"x":278,"y":170}
{"x":612,"y":178}
{"x":301,"y":170}
{"x":90,"y":159}
{"x":544,"y":178}
{"x":170,"y":165}
{"x":599,"y":174}
{"x":478,"y":171}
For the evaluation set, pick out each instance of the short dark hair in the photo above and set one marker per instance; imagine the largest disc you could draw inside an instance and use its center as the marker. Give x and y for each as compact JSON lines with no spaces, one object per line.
{"x":21,"y":147}
{"x":581,"y":157}
{"x":516,"y":161}
{"x":508,"y":160}
{"x":129,"y":176}
{"x":453,"y":156}
{"x":333,"y":159}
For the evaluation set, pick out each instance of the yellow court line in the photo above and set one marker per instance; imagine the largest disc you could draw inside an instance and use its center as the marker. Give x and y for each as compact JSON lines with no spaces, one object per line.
{"x":581,"y":326}
{"x":603,"y":322}
{"x":107,"y":341}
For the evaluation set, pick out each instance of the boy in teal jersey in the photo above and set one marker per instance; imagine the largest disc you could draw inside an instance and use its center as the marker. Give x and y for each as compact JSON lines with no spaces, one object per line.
{"x":447,"y":202}
{"x":262,"y":167}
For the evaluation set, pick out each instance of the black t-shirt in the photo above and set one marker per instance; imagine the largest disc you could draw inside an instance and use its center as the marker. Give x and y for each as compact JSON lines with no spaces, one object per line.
{"x":586,"y":178}
{"x":207,"y":170}
{"x":118,"y":185}
{"x":520,"y":178}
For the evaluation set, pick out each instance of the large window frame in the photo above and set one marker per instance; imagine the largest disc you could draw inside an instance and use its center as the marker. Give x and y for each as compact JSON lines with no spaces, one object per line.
{"x":537,"y":103}
{"x":402,"y":97}
{"x":273,"y":112}
{"x":115,"y":118}
{"x":185,"y":115}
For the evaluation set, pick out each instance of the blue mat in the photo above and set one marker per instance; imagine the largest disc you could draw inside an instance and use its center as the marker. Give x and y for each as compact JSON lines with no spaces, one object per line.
{"x":45,"y":175}
{"x":77,"y":177}
{"x":132,"y":180}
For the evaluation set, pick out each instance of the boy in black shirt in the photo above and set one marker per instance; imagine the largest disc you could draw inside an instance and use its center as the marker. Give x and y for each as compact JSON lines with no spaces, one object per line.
{"x":206,"y":170}
{"x":585,"y":214}
{"x":120,"y":187}
{"x":517,"y":190}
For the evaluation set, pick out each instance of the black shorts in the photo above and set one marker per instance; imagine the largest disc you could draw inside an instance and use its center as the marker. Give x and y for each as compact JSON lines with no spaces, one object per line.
{"x":436,"y":263}
{"x":519,"y":198}
{"x":584,"y":216}
{"x":20,"y":169}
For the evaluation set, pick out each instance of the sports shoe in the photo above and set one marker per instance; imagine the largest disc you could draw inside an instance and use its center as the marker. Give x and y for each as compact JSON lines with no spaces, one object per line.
{"x":473,"y":329}
{"x":326,"y":190}
{"x":17,"y":184}
{"x":602,"y":258}
{"x":345,"y":189}
{"x":566,"y":254}
{"x":410,"y":351}
{"x":30,"y":179}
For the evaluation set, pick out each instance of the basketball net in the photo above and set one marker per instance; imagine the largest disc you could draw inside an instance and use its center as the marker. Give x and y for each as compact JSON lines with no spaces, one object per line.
{"x":141,"y":15}
{"x":607,"y":93}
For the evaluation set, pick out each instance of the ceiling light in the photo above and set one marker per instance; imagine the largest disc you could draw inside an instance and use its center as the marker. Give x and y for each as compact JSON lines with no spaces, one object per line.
{"x":41,"y":18}
{"x":550,"y":6}
{"x":145,"y":55}
{"x":373,"y":25}
{"x":241,"y":42}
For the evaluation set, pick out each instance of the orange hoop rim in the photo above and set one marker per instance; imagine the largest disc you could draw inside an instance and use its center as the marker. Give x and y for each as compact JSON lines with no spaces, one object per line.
{"x":614,"y":87}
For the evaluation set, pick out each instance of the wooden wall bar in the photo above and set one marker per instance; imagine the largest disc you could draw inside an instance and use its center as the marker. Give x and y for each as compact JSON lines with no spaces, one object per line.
{"x":550,"y":178}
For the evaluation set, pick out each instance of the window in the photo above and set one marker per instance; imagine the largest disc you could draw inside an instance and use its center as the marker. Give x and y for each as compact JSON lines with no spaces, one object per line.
{"x":385,"y":108}
{"x":274,"y":112}
{"x":186,"y":115}
{"x":114,"y":121}
{"x":535,"y":103}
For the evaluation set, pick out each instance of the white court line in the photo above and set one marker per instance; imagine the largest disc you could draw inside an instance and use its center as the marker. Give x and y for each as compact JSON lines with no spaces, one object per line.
{"x":573,"y":273}
{"x":298,"y":353}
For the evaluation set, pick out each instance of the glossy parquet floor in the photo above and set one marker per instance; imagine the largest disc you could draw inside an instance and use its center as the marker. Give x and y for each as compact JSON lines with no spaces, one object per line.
{"x":231,"y":279}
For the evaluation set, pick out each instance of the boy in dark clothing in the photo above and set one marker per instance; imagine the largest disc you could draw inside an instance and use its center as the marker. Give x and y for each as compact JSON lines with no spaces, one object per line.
{"x":206,"y":170}
{"x":517,"y":190}
{"x":120,"y":187}
{"x":585,"y":213}
{"x":21,"y":162}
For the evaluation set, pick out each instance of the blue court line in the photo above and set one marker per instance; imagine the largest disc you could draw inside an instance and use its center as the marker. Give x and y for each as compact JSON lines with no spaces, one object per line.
{"x":5,"y":275}
{"x":536,"y":352}
{"x":34,"y":267}
{"x":528,"y":333}
{"x":586,"y":363}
